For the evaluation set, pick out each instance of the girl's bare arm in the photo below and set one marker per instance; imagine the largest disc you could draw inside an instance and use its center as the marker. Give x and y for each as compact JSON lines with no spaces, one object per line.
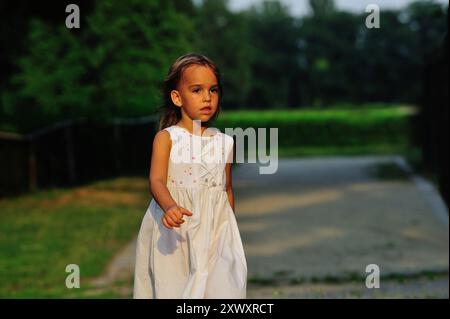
{"x":229,"y":187}
{"x":158,"y":170}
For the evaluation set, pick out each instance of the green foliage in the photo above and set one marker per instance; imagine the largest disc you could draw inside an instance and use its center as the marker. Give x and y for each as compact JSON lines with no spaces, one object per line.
{"x":329,"y":127}
{"x":134,"y":43}
{"x":274,"y":64}
{"x":322,"y":7}
{"x":224,"y":37}
{"x":114,"y":65}
{"x":50,"y":82}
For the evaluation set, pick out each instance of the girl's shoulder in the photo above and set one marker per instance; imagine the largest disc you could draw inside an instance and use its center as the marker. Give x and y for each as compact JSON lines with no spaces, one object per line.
{"x":171,"y":130}
{"x":177,"y":133}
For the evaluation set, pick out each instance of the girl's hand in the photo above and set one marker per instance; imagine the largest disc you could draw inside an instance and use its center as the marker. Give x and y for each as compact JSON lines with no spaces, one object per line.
{"x":173,"y":217}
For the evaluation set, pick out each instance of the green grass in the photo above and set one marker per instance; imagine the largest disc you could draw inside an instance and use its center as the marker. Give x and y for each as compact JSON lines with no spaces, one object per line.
{"x":309,"y":151}
{"x":43,"y":232}
{"x":345,"y":112}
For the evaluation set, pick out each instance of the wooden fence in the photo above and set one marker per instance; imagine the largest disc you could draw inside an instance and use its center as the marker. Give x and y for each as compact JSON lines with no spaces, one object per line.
{"x":74,"y":152}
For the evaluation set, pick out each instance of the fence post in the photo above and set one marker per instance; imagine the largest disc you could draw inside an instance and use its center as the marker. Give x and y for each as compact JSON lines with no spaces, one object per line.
{"x":70,"y":153}
{"x":117,"y":146}
{"x":32,"y":166}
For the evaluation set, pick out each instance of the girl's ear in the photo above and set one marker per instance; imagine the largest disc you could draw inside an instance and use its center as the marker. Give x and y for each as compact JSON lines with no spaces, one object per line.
{"x":176,"y":98}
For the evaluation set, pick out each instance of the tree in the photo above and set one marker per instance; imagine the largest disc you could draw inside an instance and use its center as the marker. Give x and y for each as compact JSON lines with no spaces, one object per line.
{"x":112,"y":67}
{"x":132,"y":45}
{"x":274,"y":62}
{"x":224,"y":37}
{"x":49,"y":85}
{"x":322,"y":7}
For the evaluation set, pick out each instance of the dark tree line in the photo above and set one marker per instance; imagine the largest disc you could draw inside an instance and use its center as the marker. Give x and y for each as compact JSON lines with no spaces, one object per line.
{"x":113,"y":65}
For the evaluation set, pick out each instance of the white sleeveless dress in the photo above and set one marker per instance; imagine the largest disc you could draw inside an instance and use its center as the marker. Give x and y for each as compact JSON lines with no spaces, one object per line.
{"x":204,"y":257}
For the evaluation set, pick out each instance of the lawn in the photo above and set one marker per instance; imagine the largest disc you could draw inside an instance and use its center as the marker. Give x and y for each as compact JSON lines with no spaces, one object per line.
{"x":42,"y":232}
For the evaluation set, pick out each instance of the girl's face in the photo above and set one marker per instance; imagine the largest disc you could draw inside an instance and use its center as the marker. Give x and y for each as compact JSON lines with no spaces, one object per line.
{"x":197,"y":94}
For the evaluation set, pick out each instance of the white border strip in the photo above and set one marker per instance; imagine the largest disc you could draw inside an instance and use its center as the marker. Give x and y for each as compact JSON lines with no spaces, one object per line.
{"x":432,"y":196}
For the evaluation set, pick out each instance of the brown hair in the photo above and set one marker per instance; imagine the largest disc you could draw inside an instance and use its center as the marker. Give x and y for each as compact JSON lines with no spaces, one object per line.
{"x":171,"y":114}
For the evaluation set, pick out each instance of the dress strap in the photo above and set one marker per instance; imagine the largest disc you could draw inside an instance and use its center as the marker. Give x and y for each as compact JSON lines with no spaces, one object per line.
{"x":172,"y":132}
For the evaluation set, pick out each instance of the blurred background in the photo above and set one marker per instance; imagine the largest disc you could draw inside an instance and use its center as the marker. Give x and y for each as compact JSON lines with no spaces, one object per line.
{"x":362,"y":118}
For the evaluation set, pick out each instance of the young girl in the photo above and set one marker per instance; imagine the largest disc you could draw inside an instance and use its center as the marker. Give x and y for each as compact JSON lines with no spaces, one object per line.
{"x":189,"y":244}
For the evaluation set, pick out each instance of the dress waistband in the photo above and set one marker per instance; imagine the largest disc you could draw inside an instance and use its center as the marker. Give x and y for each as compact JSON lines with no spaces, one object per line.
{"x":199,"y":187}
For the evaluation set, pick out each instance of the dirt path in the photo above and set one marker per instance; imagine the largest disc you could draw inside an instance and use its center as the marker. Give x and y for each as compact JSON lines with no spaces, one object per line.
{"x":318,"y":221}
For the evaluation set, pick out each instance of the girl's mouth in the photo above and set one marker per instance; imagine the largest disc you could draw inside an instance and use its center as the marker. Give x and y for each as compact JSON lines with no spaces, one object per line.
{"x":206,"y":110}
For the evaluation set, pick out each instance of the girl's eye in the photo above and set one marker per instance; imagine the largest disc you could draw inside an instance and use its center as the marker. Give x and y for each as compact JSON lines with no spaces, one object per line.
{"x":197,"y":90}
